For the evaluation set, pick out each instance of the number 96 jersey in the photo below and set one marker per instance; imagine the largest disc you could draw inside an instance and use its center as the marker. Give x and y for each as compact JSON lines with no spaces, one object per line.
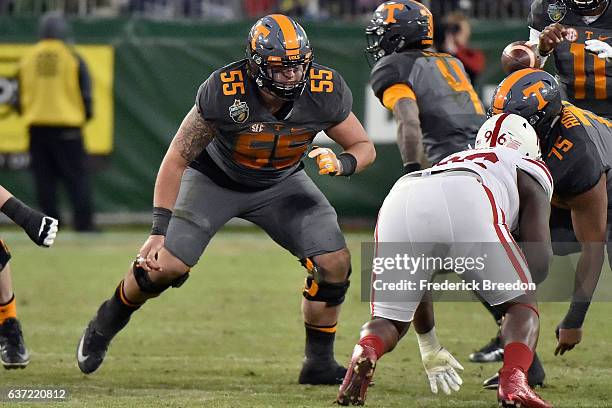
{"x":253,"y":147}
{"x":497,"y":168}
{"x":586,"y":79}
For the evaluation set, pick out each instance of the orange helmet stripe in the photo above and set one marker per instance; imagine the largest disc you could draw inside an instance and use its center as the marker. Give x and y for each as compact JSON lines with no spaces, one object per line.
{"x":292,"y":44}
{"x":505,"y":86}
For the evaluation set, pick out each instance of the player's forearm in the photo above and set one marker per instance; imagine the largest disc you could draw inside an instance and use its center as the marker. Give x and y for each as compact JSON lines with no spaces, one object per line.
{"x":534,"y":38}
{"x":409,"y":135}
{"x":423,"y":320}
{"x":588,"y":271}
{"x":4,"y":195}
{"x":168,"y":182}
{"x":585,"y":283}
{"x":364,"y":152}
{"x":410,"y":141}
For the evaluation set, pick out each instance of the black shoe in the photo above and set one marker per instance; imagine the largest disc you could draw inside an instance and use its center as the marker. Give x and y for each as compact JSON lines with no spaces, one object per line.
{"x":92,"y":349}
{"x":13,"y":352}
{"x":535,"y":376}
{"x":491,"y":352}
{"x":321,"y":373}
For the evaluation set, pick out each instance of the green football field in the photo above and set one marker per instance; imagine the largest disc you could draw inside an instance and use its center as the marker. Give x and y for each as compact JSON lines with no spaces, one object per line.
{"x":232,"y":336}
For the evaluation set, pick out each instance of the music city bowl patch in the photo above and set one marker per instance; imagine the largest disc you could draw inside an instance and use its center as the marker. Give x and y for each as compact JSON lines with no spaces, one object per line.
{"x":239,"y":111}
{"x":556,"y":11}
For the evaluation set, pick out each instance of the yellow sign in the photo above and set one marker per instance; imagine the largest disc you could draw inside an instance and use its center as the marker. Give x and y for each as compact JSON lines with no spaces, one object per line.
{"x":98,"y":132}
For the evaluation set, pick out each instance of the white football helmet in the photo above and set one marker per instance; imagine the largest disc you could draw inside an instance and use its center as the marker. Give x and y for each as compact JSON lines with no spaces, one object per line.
{"x":511,"y":131}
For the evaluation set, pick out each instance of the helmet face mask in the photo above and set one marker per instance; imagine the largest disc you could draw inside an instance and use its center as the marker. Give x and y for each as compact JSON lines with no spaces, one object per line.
{"x":396,"y":26}
{"x":279,"y":56}
{"x":586,"y":7}
{"x":511,"y":131}
{"x":532,"y":94}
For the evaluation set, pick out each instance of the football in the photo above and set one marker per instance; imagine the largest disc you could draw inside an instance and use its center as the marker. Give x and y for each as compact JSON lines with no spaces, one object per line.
{"x":519,"y":55}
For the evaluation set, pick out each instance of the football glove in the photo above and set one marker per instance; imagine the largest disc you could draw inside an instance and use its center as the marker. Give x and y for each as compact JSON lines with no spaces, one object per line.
{"x":440,"y":367}
{"x":41,"y":229}
{"x":326,"y":160}
{"x":602,"y":49}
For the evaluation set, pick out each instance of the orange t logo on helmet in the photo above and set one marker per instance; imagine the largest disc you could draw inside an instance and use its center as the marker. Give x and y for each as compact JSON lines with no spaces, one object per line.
{"x":391,"y":12}
{"x":535,"y":89}
{"x":259,"y":29}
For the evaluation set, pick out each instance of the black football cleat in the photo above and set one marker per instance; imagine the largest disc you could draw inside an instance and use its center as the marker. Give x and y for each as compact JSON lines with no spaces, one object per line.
{"x":321,"y":372}
{"x":535,"y":376}
{"x":491,"y":352}
{"x":13,"y":352}
{"x":92,"y":349}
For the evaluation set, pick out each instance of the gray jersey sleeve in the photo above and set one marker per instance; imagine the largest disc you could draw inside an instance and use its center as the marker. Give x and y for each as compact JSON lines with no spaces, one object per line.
{"x":206,"y":98}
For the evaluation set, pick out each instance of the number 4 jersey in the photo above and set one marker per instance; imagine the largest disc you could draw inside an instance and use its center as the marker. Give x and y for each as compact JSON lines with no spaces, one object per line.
{"x":449,"y":109}
{"x":497,"y":168}
{"x":254,"y":148}
{"x":585,"y":78}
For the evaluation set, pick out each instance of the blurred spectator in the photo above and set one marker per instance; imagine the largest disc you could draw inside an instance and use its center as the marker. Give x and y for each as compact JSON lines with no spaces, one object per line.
{"x":293,"y":8}
{"x":55,"y":101}
{"x":7,"y":6}
{"x":454,"y":39}
{"x":258,"y":8}
{"x":367,"y":6}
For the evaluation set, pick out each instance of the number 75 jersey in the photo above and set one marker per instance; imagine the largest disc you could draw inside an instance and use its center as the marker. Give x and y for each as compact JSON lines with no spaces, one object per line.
{"x":450,"y":111}
{"x":497,"y":168}
{"x":253,"y":147}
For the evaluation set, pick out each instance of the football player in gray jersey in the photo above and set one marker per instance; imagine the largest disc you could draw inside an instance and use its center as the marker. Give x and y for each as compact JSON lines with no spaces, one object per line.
{"x":577,"y":148}
{"x":578,"y":34}
{"x":238,"y":154}
{"x":429,"y":93}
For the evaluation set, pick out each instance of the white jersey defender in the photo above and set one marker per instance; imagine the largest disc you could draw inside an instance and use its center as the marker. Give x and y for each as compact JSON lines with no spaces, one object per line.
{"x":469,"y":197}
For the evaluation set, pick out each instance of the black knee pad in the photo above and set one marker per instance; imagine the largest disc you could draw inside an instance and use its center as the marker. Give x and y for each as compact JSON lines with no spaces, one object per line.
{"x":148,"y":286}
{"x":317,"y":289}
{"x":5,"y":255}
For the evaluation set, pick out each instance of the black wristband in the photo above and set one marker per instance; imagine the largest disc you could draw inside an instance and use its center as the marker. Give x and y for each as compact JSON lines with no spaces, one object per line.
{"x":412,"y":166}
{"x":18,"y":212}
{"x":575,"y":315}
{"x":161,"y":219}
{"x":540,"y":52}
{"x":348,"y":162}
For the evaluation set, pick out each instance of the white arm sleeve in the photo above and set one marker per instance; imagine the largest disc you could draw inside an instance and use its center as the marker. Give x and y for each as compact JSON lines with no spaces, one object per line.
{"x":534,"y":38}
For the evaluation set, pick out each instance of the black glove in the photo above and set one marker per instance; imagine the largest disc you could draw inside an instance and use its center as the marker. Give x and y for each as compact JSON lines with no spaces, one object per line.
{"x":40,"y":228}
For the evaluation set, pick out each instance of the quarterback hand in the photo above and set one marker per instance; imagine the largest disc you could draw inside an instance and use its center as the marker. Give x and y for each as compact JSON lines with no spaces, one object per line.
{"x":601,"y":49}
{"x":326,"y":160}
{"x":567,"y":339}
{"x":440,"y":368}
{"x":147,"y":256}
{"x":41,"y":229}
{"x":550,"y":37}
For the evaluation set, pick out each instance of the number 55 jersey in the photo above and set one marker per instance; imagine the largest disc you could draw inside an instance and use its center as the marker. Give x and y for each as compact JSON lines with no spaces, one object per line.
{"x":253,"y":148}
